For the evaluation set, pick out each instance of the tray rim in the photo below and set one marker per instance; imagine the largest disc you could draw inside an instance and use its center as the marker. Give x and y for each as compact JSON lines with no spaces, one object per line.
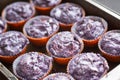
{"x":105,"y":9}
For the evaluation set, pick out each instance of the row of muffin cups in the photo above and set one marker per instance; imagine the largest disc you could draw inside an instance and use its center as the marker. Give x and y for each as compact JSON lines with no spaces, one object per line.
{"x":18,"y":24}
{"x":43,"y":40}
{"x":64,"y":26}
{"x":63,"y":36}
{"x":35,"y":65}
{"x":86,"y":56}
{"x":26,"y":65}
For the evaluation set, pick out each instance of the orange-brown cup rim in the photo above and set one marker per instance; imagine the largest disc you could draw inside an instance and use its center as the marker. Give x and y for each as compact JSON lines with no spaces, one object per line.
{"x":70,"y":62}
{"x":44,"y":8}
{"x":64,"y":26}
{"x":42,"y":38}
{"x":110,"y":57}
{"x":47,"y":73}
{"x":94,"y":42}
{"x":59,"y":73}
{"x":91,"y":42}
{"x":60,"y":60}
{"x":10,"y":59}
{"x":49,"y":70}
{"x":104,"y":74}
{"x":5,"y":29}
{"x":39,"y":39}
{"x":16,"y":24}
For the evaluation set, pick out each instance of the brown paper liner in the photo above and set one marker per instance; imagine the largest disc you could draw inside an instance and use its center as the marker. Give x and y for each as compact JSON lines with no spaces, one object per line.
{"x":64,"y":74}
{"x":5,"y":29}
{"x":10,"y":59}
{"x":38,"y":41}
{"x":17,"y":25}
{"x":63,"y":61}
{"x":44,"y":10}
{"x":64,"y":27}
{"x":91,"y":43}
{"x":94,"y":42}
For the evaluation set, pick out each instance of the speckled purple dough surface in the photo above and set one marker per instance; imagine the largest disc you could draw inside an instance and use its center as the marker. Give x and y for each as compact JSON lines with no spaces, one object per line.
{"x":67,"y":13}
{"x":18,"y":11}
{"x":88,"y":66}
{"x":110,"y":43}
{"x":41,"y":26}
{"x":32,"y":66}
{"x":64,"y":44}
{"x":2,"y":25}
{"x":45,"y":3}
{"x":59,"y":76}
{"x":12,"y":42}
{"x":89,"y":28}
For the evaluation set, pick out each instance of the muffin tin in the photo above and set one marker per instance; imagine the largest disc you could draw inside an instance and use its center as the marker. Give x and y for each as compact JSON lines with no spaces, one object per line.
{"x":90,"y":10}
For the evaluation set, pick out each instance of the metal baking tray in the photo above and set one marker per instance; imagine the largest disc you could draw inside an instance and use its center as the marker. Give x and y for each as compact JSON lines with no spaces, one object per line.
{"x":92,"y":7}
